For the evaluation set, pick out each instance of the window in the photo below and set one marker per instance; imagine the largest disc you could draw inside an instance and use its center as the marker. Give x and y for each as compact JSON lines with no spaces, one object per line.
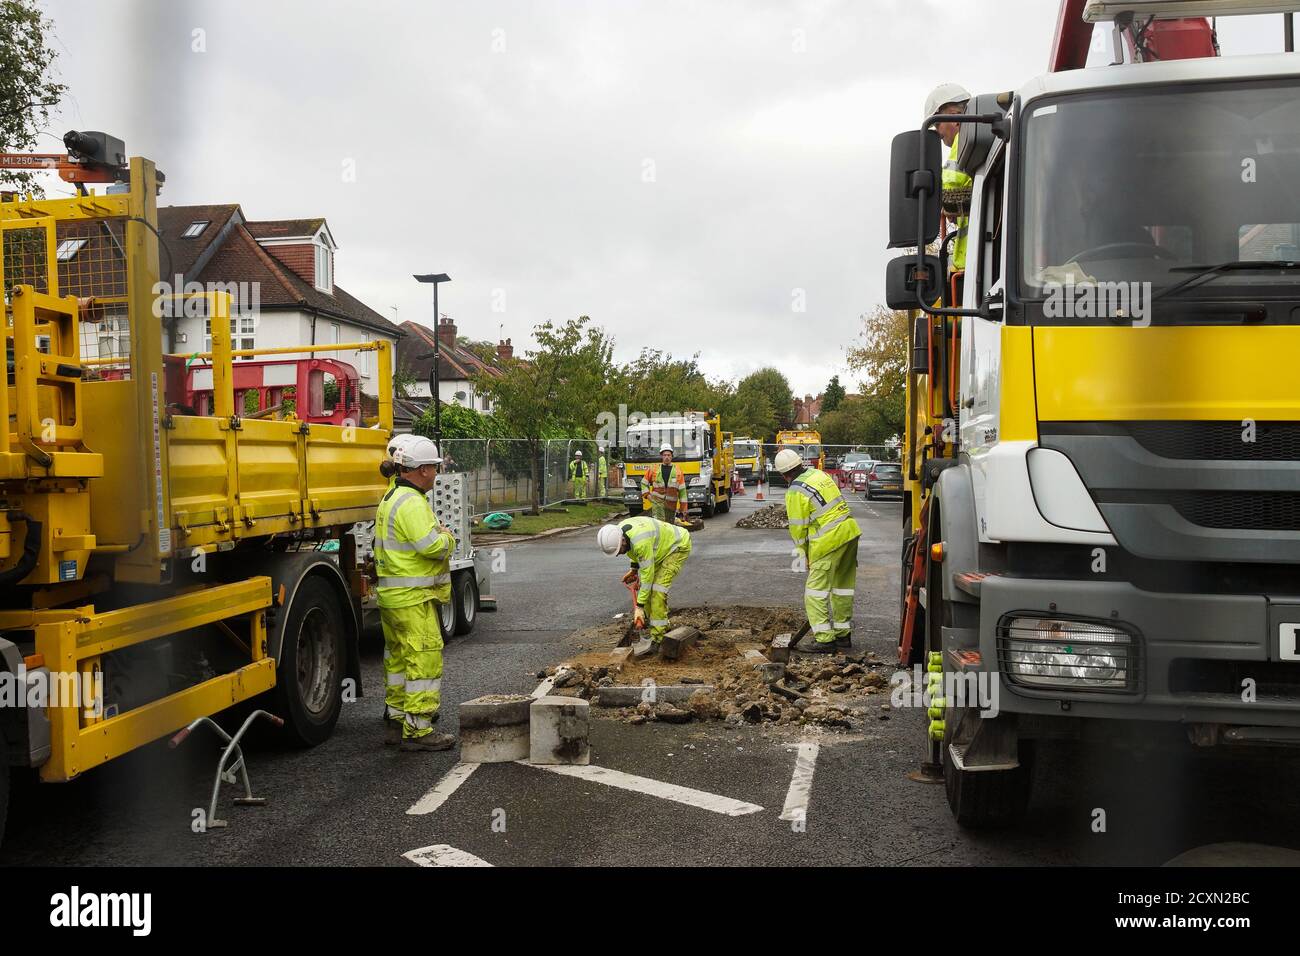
{"x":69,"y":248}
{"x":241,"y":336}
{"x":195,"y":229}
{"x":324,"y":268}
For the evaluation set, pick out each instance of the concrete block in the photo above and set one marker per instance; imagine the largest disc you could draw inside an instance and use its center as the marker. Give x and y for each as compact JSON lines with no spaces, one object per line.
{"x":494,"y":729}
{"x":676,"y":641}
{"x":771,"y":672}
{"x":755,"y":657}
{"x":780,"y":649}
{"x":558,"y":732}
{"x":629,"y":695}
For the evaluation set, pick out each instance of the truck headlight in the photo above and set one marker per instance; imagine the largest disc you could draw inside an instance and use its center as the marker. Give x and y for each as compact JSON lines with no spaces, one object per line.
{"x":1046,"y":652}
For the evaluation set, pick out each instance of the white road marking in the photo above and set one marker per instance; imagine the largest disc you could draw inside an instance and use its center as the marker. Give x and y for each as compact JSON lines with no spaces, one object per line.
{"x":442,"y":790}
{"x":545,"y":686}
{"x":656,"y":788}
{"x":796,"y":798}
{"x":441,"y":854}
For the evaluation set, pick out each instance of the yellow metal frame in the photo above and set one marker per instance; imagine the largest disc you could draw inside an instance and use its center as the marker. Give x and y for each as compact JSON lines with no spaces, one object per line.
{"x":75,"y":641}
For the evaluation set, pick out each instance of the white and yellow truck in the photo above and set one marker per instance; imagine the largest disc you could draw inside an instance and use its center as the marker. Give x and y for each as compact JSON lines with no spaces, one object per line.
{"x":699,"y":447}
{"x":1102,"y":520}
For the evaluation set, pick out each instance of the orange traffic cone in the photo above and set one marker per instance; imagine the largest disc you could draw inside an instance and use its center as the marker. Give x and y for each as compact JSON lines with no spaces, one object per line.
{"x":759,"y":496}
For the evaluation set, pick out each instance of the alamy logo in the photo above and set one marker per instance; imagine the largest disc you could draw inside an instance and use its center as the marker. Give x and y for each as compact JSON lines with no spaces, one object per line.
{"x":97,"y":910}
{"x":1126,"y":301}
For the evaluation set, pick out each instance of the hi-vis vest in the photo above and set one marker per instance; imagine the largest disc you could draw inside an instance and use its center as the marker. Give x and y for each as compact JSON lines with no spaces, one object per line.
{"x":668,"y":494}
{"x":412,"y":558}
{"x":819,"y":515}
{"x":578,"y":468}
{"x":651,"y":542}
{"x":954,"y":178}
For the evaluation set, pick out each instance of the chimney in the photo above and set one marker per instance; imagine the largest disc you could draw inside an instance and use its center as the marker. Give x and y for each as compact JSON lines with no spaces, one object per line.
{"x":446,"y":333}
{"x":505,"y":351}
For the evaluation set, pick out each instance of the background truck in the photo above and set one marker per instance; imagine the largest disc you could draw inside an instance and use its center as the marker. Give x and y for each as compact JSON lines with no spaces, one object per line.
{"x":746,"y":452}
{"x":1103,"y":435}
{"x":698,"y":446}
{"x":170,"y":565}
{"x":805,"y":441}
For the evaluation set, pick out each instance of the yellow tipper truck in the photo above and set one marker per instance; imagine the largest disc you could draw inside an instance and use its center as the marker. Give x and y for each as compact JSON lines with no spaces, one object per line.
{"x":698,"y":447}
{"x":746,"y":452}
{"x":1102,"y":522}
{"x":806,"y":442}
{"x":157,"y":566}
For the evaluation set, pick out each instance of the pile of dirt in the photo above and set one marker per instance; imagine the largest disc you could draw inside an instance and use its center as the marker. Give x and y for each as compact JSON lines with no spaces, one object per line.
{"x":826,"y":690}
{"x":768,"y":517}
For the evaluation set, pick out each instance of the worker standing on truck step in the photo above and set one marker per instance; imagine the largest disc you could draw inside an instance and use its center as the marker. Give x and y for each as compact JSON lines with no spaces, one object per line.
{"x":412,"y":555}
{"x":657,"y":550}
{"x":602,"y":473}
{"x":952,"y":98}
{"x":665,"y":486}
{"x":578,"y":475}
{"x":823,"y":528}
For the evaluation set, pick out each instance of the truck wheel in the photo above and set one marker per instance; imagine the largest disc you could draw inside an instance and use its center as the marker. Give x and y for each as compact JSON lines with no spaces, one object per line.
{"x":309,"y":675}
{"x":709,"y":507}
{"x":724,"y":506}
{"x":985,"y":799}
{"x":447,"y":618}
{"x":464,"y":596}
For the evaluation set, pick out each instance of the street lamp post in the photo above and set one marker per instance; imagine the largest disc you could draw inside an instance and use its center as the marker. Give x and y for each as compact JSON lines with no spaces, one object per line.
{"x":434,"y":381}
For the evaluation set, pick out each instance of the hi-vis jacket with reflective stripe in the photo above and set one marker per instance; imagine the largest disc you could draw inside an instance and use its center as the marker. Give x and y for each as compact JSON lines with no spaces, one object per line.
{"x":652,"y":541}
{"x":670,"y":494}
{"x":411,"y":556}
{"x":954,"y":178}
{"x":819,"y":515}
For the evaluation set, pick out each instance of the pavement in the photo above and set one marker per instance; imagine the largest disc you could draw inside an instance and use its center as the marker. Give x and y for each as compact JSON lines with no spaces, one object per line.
{"x":689,"y":794}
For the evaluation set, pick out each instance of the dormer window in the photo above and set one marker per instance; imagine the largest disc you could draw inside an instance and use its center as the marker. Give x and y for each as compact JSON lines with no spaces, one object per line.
{"x":195,"y":229}
{"x":324,"y":265}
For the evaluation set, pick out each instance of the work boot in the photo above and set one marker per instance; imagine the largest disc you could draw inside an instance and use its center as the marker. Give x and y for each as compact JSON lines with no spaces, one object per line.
{"x":392,"y":733}
{"x":644,"y":648}
{"x":428,"y":742}
{"x":809,"y":645}
{"x":844,"y":641}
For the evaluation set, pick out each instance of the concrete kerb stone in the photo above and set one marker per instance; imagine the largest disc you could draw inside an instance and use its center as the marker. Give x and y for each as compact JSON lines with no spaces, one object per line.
{"x":494,"y":729}
{"x":676,"y":641}
{"x":628,"y":695}
{"x":559,"y":731}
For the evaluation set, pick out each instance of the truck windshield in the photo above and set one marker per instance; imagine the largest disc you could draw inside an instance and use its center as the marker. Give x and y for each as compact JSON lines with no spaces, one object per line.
{"x":746,"y":449}
{"x":1128,"y":192}
{"x":644,"y":444}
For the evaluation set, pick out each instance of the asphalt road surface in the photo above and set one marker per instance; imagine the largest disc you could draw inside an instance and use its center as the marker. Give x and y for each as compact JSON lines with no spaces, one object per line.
{"x":347,"y":801}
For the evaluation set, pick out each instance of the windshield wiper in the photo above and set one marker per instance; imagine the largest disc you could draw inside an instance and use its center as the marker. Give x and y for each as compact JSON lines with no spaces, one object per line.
{"x":1205,"y":273}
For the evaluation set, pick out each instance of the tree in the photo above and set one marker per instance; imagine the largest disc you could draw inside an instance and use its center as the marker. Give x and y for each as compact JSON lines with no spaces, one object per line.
{"x":403,"y":378}
{"x":655,"y":383}
{"x":882,"y":357}
{"x":833,"y":395}
{"x":775,"y":387}
{"x":863,"y":420}
{"x":28,"y":89}
{"x":558,"y":384}
{"x":746,"y":414}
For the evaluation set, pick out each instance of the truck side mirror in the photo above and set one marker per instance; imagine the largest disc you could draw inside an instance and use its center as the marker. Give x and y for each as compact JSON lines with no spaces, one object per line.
{"x":915,"y":188}
{"x":975,"y":140}
{"x":904,"y":278}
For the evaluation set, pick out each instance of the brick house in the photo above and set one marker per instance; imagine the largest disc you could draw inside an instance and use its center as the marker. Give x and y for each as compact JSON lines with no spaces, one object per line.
{"x":457,"y":369}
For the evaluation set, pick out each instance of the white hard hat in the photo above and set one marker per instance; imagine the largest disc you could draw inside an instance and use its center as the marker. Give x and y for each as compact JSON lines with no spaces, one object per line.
{"x":943,"y":94}
{"x":399,"y":441}
{"x":666,"y":446}
{"x":610,"y":538}
{"x":787,"y":459}
{"x":419,"y":451}
{"x":577,"y":454}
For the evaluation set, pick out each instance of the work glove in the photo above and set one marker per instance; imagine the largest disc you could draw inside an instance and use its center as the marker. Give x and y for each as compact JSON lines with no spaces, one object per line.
{"x":631,"y":577}
{"x":638,"y":617}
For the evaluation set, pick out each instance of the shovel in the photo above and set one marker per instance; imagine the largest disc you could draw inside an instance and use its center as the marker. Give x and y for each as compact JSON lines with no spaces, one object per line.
{"x":631,"y":629}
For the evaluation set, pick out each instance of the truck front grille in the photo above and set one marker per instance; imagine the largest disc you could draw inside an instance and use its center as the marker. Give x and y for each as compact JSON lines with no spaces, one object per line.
{"x":1218,"y":441}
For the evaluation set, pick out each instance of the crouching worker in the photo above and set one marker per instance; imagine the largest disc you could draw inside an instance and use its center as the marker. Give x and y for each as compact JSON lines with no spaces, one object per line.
{"x":412,"y":554}
{"x":657,"y":550}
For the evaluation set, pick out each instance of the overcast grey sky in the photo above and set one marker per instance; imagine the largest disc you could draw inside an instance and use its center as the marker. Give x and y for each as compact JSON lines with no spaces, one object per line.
{"x":677,"y":171}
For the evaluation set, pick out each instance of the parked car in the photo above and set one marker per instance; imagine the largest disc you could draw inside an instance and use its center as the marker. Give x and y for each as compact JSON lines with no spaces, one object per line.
{"x":885,"y":478}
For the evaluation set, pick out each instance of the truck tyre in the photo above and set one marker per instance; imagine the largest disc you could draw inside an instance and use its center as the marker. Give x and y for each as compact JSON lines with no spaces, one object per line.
{"x":709,"y":507}
{"x":309,"y":675}
{"x":985,"y":799}
{"x":464,"y":596}
{"x":447,"y":618}
{"x":724,"y":506}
